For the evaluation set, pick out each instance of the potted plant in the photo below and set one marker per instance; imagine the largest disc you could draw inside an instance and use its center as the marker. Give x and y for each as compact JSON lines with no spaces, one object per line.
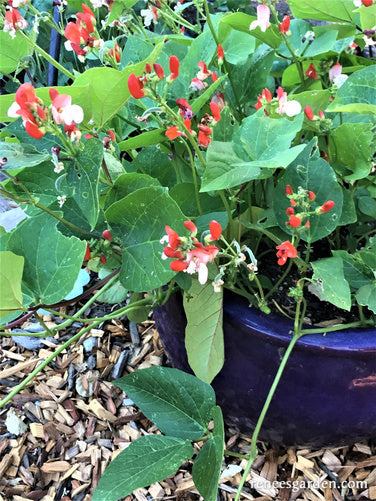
{"x":224,"y":176}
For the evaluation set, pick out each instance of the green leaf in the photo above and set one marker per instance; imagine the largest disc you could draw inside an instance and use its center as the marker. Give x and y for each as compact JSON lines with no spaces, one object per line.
{"x":178,"y":403}
{"x":312,"y":173}
{"x":52,"y":261}
{"x":352,"y":146}
{"x":157,"y":165}
{"x":241,"y":22}
{"x":140,"y":314}
{"x":145,"y":461}
{"x":184,"y":196}
{"x":126,"y":184}
{"x":142,"y":140}
{"x":207,"y":466}
{"x":138,"y":222}
{"x":367,"y":17}
{"x":334,"y":286}
{"x":366,"y":296}
{"x":238,"y":46}
{"x":269,"y":148}
{"x":204,"y":334}
{"x":21,"y":155}
{"x":117,"y":8}
{"x":334,"y":11}
{"x":357,"y":94}
{"x":356,"y":273}
{"x":10,"y":283}
{"x":83,"y":177}
{"x":108,"y":89}
{"x":12,"y":50}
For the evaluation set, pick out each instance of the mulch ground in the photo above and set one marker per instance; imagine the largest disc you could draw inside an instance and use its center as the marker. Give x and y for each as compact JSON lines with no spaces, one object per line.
{"x":58,"y":435}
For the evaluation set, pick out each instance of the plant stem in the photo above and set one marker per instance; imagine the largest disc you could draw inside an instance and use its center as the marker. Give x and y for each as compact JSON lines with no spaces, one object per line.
{"x":253,"y":452}
{"x":194,"y":175}
{"x":277,"y":284}
{"x":47,"y":56}
{"x":226,"y":452}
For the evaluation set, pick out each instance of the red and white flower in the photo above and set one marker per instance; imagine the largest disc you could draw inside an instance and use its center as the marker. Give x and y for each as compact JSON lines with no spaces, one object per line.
{"x":13,"y":21}
{"x":285,"y":250}
{"x":290,"y":108}
{"x":63,"y":110}
{"x":336,"y":76}
{"x":28,"y":106}
{"x":263,"y":18}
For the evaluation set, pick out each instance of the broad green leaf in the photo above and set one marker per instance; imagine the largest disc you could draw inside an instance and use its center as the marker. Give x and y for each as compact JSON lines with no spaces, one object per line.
{"x":238,"y":46}
{"x":262,"y":143}
{"x":206,"y":95}
{"x":83,"y":177}
{"x":140,"y":314}
{"x":10,"y":282}
{"x":348,"y":214}
{"x":12,"y":50}
{"x":52,"y":261}
{"x":145,"y":461}
{"x":312,"y":173}
{"x":204,"y":334}
{"x":138,"y":222}
{"x":366,"y":296}
{"x":117,"y":8}
{"x":334,"y":11}
{"x":43,"y":145}
{"x":333,"y":285}
{"x":184,"y":196}
{"x":367,"y":205}
{"x":108,"y":89}
{"x":241,"y":22}
{"x":322,"y":44}
{"x":155,"y":163}
{"x":21,"y":155}
{"x":126,"y":184}
{"x":367,"y":17}
{"x":207,"y":466}
{"x":357,"y":94}
{"x":142,"y":140}
{"x":356,"y":273}
{"x":178,"y":403}
{"x":352,"y":146}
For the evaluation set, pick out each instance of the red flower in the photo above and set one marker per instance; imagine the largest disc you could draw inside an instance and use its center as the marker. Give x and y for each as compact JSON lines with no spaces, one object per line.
{"x":285,"y":250}
{"x":158,"y":70}
{"x":174,"y":68}
{"x":204,"y":73}
{"x":214,"y":76}
{"x":288,"y":190}
{"x":103,"y":259}
{"x":116,"y":53}
{"x":294,"y":221}
{"x":107,"y":235}
{"x":327,"y":206}
{"x":14,"y":21}
{"x":203,"y":135}
{"x":367,"y":3}
{"x":147,"y":68}
{"x":221,"y":54}
{"x":185,"y":109}
{"x":216,"y":112}
{"x":27,"y":105}
{"x":311,"y":195}
{"x":190,"y":226}
{"x":321,"y":114}
{"x":197,"y":84}
{"x":263,"y":98}
{"x":292,"y":202}
{"x":178,"y":265}
{"x":311,"y":72}
{"x":87,"y":255}
{"x":173,"y":132}
{"x":135,"y":86}
{"x":215,"y":230}
{"x":173,"y":238}
{"x":284,"y":25}
{"x":309,"y":113}
{"x":290,"y":211}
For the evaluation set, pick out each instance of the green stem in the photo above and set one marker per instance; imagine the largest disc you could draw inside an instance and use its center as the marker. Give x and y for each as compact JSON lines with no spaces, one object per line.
{"x":324,"y":330}
{"x":47,"y":56}
{"x":194,"y":175}
{"x":226,"y":204}
{"x":253,"y":452}
{"x":234,"y":454}
{"x":278,"y":283}
{"x":214,"y":34}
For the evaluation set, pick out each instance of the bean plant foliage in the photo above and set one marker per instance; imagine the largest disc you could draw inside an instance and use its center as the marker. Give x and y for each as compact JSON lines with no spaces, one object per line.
{"x":170,"y":152}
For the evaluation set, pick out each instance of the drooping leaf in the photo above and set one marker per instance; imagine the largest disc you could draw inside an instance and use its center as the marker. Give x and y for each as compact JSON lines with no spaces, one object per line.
{"x":145,"y":461}
{"x":52,"y":261}
{"x":10,"y":282}
{"x":357,"y":94}
{"x":207,"y":466}
{"x":333,"y":285}
{"x":366,"y":295}
{"x":204,"y":334}
{"x":21,"y":155}
{"x":126,"y":184}
{"x":178,"y":403}
{"x":138,"y":222}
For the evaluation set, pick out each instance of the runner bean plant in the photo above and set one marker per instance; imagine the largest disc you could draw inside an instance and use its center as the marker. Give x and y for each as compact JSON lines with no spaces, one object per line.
{"x":181,"y":146}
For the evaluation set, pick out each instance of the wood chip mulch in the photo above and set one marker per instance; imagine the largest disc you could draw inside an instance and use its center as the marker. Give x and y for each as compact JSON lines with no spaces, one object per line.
{"x":72,"y":422}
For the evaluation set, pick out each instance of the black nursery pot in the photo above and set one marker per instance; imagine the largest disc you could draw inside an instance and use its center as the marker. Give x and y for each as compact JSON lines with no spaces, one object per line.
{"x":327,"y":393}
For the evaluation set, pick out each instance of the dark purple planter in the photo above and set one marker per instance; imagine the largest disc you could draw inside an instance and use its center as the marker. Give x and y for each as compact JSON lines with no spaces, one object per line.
{"x":327,"y":393}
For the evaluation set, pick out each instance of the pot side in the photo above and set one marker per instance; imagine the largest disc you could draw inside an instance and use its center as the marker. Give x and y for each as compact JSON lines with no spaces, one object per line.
{"x":327,"y":393}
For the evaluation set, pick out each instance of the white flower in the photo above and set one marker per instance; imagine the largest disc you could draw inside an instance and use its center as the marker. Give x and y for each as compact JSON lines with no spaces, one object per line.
{"x":150,"y":15}
{"x":357,"y":3}
{"x":59,"y":166}
{"x":263,"y":18}
{"x":61,"y":200}
{"x":292,"y":108}
{"x":340,"y":80}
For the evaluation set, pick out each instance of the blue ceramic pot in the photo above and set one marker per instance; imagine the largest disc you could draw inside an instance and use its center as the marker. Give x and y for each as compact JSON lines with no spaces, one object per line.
{"x":327,"y":394}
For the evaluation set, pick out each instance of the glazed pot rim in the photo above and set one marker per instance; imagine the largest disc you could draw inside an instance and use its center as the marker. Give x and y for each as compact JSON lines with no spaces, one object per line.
{"x":279,"y":330}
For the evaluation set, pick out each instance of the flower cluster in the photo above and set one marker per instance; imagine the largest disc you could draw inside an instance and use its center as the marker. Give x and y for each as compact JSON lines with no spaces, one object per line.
{"x":289,"y":108}
{"x":13,"y":20}
{"x":37,"y":118}
{"x":190,"y":255}
{"x":79,"y":35}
